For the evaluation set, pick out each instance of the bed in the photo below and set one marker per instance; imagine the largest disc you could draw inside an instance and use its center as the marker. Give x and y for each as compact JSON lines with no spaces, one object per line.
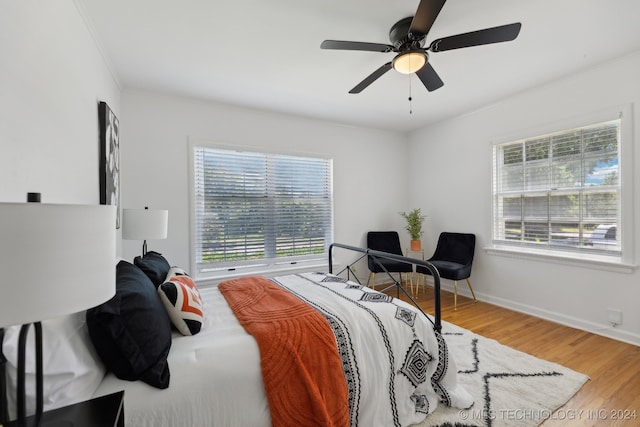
{"x":393,"y":365}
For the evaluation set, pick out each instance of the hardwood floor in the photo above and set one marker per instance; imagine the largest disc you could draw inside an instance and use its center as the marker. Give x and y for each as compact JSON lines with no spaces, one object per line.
{"x":610,"y":398}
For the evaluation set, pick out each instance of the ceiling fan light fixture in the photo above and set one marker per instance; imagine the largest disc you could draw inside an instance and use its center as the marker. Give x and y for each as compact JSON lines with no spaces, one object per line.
{"x":409,"y":62}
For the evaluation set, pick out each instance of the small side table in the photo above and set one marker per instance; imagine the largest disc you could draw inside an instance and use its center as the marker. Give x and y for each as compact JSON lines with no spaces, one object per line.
{"x":104,"y":411}
{"x":408,"y":252}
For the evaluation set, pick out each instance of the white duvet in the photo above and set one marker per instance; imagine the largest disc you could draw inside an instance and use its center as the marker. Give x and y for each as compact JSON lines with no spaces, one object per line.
{"x":397,"y":367}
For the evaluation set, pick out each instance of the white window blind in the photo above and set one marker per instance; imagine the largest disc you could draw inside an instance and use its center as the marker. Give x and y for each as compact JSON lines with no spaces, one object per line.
{"x":560,"y":191}
{"x":259,"y":210}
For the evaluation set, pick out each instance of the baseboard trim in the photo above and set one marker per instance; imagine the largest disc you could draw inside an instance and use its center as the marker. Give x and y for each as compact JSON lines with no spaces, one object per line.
{"x":602,"y":329}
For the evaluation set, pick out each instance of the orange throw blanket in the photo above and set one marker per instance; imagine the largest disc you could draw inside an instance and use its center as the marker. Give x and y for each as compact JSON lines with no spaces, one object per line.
{"x":301,"y":368}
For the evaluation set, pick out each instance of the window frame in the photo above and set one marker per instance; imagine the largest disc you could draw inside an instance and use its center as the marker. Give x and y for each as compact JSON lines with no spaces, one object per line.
{"x":266,"y":266}
{"x":625,"y":261}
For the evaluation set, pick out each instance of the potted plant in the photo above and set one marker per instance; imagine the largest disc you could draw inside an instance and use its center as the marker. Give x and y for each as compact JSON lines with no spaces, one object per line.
{"x":414,"y":227}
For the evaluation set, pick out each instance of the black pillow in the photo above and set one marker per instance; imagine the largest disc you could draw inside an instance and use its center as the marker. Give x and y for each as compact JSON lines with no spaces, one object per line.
{"x":154,"y":265}
{"x":132,"y":332}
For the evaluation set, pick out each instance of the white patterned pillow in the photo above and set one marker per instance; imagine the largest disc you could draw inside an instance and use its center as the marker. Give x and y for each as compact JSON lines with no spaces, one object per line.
{"x":182,"y":300}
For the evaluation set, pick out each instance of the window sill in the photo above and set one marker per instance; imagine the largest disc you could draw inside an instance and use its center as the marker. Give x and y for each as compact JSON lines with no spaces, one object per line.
{"x":578,"y":260}
{"x":212,"y":279}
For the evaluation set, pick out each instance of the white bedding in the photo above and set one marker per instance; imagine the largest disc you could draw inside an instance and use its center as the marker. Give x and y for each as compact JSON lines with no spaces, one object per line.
{"x":216,"y":380}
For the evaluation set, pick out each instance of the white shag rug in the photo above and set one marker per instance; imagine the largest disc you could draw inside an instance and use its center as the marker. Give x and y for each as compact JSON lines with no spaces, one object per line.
{"x":510,"y":388}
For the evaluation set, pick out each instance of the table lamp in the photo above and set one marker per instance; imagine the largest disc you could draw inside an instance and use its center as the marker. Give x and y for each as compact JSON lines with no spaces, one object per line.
{"x":144,"y":224}
{"x":55,"y":260}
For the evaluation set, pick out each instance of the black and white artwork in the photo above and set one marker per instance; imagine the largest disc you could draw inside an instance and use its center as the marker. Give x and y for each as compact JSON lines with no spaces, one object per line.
{"x":109,"y":158}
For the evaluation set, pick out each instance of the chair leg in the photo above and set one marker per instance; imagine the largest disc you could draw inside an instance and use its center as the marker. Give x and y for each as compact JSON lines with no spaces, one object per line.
{"x":421,"y":280}
{"x":416,"y":283}
{"x":471,"y":289}
{"x":372,"y":280}
{"x":411,"y":284}
{"x":409,"y":281}
{"x":455,"y":295}
{"x":404,"y":282}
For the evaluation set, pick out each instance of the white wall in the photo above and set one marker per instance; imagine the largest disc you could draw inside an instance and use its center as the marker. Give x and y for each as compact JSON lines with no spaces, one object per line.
{"x":369,"y":165}
{"x":451,"y":177}
{"x":52,"y":77}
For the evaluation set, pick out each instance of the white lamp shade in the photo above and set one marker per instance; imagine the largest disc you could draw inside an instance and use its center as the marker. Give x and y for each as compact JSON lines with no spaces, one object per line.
{"x":144,"y":224}
{"x":55,"y":260}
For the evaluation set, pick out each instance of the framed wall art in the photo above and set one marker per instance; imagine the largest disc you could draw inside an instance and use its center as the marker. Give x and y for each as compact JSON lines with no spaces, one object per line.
{"x":109,"y":158}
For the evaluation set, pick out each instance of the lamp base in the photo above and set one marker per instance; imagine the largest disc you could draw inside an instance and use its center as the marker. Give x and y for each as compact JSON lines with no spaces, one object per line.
{"x":21,"y":389}
{"x":4,"y":411}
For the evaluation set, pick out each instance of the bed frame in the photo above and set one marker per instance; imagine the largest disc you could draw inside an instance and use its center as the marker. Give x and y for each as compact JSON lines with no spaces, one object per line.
{"x":375,"y":255}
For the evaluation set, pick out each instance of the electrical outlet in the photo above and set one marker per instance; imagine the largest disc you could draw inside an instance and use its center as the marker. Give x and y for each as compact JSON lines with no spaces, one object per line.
{"x":614,"y":316}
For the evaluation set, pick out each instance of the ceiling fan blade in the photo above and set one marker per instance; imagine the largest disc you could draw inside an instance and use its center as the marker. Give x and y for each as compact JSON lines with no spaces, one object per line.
{"x":346,"y":45}
{"x":503,"y":33}
{"x":425,"y":16}
{"x":371,"y":78}
{"x":429,"y":77}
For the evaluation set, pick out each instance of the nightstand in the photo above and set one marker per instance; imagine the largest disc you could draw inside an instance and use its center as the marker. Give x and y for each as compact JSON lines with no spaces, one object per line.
{"x":103,"y":411}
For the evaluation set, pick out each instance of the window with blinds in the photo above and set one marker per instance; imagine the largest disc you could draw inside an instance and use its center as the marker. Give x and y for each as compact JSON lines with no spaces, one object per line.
{"x":260,"y":210}
{"x":560,"y":191}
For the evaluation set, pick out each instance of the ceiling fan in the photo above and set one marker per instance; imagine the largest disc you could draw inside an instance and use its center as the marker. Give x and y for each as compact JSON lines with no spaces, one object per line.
{"x":408,"y":38}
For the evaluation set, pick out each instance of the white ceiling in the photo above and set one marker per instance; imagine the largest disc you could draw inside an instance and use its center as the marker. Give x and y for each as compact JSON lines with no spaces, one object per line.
{"x":266,"y":53}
